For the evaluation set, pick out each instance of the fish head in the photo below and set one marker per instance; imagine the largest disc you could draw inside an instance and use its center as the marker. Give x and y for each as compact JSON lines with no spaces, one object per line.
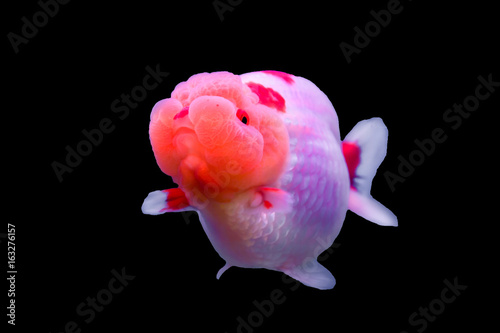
{"x":215,"y":139}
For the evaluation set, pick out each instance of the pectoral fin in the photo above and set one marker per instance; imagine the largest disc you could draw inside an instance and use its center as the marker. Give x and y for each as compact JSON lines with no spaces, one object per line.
{"x":165,"y":201}
{"x":271,"y":199}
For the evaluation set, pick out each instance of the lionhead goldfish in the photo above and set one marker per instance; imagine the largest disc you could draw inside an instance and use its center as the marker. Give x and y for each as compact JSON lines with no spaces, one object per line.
{"x":259,"y":157}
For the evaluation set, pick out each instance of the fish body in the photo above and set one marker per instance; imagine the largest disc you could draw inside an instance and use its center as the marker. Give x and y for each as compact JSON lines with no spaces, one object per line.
{"x":260,"y":158}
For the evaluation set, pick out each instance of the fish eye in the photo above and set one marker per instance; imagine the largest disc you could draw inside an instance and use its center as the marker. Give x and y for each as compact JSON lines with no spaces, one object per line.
{"x":243,"y":116}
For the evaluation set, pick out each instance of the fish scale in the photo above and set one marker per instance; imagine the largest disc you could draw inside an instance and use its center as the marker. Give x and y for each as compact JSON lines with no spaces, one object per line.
{"x":311,"y":216}
{"x":282,"y":213}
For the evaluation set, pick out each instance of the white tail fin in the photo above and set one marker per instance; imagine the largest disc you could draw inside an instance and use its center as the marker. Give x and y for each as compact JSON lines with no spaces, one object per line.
{"x":364,"y":149}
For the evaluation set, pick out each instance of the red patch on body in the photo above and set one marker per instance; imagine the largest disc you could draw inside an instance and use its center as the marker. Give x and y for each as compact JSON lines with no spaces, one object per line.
{"x":352,"y":154}
{"x":182,"y":113}
{"x":285,"y":76}
{"x":268,"y":96}
{"x":267,"y":204}
{"x":176,"y":199}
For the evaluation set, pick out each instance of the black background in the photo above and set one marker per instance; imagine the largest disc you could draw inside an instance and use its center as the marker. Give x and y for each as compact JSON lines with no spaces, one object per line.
{"x":71,"y":234}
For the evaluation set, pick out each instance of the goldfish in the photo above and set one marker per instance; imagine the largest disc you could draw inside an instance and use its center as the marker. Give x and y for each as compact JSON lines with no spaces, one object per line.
{"x":259,"y":157}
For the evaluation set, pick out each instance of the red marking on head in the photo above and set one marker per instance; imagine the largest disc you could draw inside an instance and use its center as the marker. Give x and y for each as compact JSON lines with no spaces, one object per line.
{"x":352,"y":154}
{"x":176,"y":199}
{"x":182,"y":113}
{"x":267,"y":204}
{"x":285,"y":76}
{"x":268,"y":96}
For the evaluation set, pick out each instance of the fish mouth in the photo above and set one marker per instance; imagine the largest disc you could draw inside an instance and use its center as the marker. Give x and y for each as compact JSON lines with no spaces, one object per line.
{"x":203,"y":184}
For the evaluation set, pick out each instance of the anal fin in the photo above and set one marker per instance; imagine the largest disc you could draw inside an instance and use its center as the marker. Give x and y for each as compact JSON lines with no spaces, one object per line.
{"x":312,"y":274}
